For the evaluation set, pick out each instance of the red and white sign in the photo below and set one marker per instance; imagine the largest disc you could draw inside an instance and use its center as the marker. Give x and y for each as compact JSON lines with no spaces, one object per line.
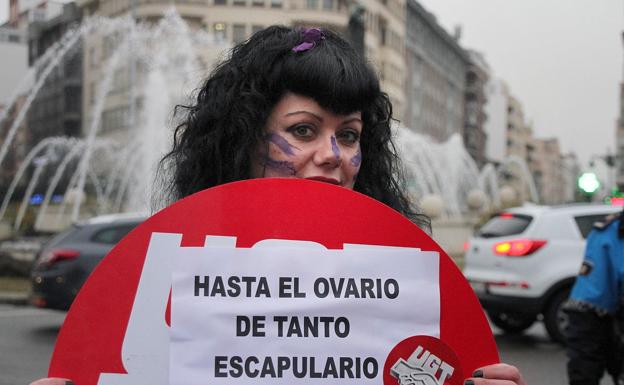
{"x":117,"y":331}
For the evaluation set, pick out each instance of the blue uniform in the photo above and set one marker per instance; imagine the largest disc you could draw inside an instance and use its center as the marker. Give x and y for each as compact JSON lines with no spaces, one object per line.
{"x":595,"y":307}
{"x":600,"y":283}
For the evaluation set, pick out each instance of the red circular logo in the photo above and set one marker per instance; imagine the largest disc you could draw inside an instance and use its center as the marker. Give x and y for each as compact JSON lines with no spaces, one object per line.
{"x":422,"y":360}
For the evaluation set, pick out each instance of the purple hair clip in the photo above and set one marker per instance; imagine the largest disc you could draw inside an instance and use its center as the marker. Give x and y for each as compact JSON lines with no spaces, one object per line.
{"x":311,"y":36}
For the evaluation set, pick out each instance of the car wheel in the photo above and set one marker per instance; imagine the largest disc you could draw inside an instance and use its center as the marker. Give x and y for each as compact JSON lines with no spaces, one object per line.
{"x":555,"y":319}
{"x":511,"y":322}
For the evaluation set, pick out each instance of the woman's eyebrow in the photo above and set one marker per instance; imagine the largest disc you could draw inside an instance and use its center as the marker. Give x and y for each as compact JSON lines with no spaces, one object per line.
{"x":318,"y":117}
{"x":353,"y":119}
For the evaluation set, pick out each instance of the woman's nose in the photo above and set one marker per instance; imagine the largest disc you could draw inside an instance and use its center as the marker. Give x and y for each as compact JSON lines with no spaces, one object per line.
{"x":328,"y":152}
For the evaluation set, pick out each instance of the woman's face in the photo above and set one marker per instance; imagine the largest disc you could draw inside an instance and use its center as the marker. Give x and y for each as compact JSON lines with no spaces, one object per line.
{"x":307,"y":141}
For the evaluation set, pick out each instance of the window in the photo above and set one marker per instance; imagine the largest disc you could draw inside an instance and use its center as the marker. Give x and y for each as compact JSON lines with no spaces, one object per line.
{"x":328,"y":4}
{"x":276,"y":3}
{"x":238,"y":33}
{"x":115,"y":119}
{"x":72,"y":66}
{"x":112,"y":235}
{"x":256,"y":28}
{"x":72,"y":99}
{"x":239,"y":3}
{"x":220,"y":2}
{"x":504,"y":224}
{"x":72,"y":128}
{"x":257,"y":3}
{"x":586,"y":223}
{"x":219,"y":31}
{"x":383,"y":32}
{"x":311,"y":4}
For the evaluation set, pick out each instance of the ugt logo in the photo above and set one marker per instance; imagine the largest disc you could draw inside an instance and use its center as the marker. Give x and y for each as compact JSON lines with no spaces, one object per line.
{"x":421,"y":368}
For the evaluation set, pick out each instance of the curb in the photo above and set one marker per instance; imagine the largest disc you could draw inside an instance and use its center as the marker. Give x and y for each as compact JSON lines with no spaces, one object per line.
{"x":13,"y":298}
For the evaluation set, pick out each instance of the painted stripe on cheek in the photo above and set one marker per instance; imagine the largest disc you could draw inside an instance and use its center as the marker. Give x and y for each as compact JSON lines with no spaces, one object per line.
{"x":335,"y":148}
{"x":283,"y":167}
{"x":282,"y":144}
{"x":356,"y":161}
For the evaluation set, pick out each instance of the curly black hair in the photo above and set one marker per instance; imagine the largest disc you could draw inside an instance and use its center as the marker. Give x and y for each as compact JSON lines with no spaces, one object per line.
{"x":215,"y":142}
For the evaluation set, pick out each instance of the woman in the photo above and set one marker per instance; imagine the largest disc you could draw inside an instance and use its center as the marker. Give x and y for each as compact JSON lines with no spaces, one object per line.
{"x":298,"y":104}
{"x":230,"y":133}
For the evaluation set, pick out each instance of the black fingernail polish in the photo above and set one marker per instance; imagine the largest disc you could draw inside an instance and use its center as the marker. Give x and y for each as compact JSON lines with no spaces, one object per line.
{"x":478,"y":373}
{"x":469,"y":382}
{"x":69,"y":382}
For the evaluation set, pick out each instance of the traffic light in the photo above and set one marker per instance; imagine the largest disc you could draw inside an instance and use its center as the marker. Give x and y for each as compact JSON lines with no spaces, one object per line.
{"x":588,"y":183}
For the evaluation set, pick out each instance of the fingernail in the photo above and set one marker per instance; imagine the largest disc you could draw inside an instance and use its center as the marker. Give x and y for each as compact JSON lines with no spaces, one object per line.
{"x":478,"y":373}
{"x":69,"y":382}
{"x":469,"y":382}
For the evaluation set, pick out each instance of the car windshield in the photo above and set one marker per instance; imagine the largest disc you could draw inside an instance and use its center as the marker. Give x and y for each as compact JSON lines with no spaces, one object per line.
{"x":504,"y":224}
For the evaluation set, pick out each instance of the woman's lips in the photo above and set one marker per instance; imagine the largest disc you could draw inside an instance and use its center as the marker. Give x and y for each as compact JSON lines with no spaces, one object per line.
{"x":324,"y":179}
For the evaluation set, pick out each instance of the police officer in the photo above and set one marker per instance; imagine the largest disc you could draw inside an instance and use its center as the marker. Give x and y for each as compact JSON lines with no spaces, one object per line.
{"x":595,"y":307}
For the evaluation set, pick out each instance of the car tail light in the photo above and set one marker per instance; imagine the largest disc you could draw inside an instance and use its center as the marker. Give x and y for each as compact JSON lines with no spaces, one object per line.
{"x":58,"y":255}
{"x":617,"y":201}
{"x":466,"y":246}
{"x":518,"y":247}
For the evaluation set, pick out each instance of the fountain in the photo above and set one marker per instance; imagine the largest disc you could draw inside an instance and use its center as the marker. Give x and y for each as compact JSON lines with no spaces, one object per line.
{"x":462,"y":187}
{"x":117,"y":170}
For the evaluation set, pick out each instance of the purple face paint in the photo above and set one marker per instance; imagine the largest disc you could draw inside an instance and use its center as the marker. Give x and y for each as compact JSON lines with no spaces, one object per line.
{"x":282,"y":144}
{"x":335,"y":148}
{"x":283,"y":167}
{"x":356,"y":161}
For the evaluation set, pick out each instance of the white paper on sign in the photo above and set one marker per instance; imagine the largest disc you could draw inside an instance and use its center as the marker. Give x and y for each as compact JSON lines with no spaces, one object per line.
{"x":321,"y":316}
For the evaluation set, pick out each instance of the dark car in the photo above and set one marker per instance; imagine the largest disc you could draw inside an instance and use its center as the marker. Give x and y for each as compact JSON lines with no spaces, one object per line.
{"x":67,"y":260}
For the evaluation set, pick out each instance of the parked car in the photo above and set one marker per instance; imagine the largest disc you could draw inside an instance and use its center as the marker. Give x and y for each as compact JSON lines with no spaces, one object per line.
{"x":67,"y":260}
{"x":523,"y":262}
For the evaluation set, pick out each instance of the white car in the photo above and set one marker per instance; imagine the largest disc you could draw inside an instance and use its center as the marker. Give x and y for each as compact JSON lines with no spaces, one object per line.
{"x":523,"y":262}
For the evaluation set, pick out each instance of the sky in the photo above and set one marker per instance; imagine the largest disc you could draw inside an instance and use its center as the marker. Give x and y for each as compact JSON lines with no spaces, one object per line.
{"x":563,"y":59}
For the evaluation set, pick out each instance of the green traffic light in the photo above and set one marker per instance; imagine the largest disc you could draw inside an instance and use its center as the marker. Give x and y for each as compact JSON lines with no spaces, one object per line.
{"x":588,"y":182}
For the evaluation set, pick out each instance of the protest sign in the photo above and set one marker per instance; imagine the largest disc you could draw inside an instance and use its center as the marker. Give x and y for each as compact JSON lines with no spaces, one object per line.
{"x":281,"y":314}
{"x":118,"y":330}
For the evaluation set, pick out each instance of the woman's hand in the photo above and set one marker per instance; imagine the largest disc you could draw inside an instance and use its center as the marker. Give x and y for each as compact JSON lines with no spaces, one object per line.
{"x":53,"y":381}
{"x":497,"y":374}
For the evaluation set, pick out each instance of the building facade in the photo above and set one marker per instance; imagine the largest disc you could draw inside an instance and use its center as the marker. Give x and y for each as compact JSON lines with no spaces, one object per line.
{"x":56,"y":111}
{"x":571,"y":172}
{"x":14,"y":52}
{"x":230,"y":21}
{"x":436,"y":76}
{"x":24,"y":12}
{"x":548,"y":170}
{"x":519,"y":133}
{"x":496,"y":124}
{"x":475,"y":116}
{"x":619,"y":137}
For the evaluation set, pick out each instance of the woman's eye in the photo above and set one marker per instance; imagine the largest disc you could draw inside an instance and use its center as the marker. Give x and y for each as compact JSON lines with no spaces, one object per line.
{"x":301,"y":131}
{"x":348,"y":137}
